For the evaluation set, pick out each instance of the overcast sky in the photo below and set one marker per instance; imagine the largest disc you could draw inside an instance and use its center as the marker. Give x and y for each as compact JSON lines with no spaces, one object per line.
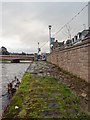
{"x":24,"y":24}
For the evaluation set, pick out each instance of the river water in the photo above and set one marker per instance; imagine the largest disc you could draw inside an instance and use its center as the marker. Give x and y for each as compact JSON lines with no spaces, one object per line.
{"x":8,"y":71}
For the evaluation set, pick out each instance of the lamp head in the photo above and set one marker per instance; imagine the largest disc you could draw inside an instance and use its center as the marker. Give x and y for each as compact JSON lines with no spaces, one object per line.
{"x":50,"y":26}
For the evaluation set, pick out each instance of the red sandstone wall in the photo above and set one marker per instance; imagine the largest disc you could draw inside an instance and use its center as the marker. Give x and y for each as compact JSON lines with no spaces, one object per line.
{"x":74,"y":59}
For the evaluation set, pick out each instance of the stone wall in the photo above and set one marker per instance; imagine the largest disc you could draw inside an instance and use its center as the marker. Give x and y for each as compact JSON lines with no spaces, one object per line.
{"x":74,"y":59}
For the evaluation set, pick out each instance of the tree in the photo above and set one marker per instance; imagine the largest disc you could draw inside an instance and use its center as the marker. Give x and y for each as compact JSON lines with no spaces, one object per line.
{"x":23,"y":53}
{"x":3,"y":51}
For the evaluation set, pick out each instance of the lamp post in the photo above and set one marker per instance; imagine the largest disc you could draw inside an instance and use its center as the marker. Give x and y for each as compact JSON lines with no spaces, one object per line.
{"x":38,"y":52}
{"x":50,"y":27}
{"x":38,"y":47}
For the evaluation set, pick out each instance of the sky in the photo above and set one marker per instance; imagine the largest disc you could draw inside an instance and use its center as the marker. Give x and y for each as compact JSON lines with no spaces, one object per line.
{"x":24,"y":24}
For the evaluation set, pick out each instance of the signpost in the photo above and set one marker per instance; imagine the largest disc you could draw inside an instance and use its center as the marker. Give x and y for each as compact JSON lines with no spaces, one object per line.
{"x":52,"y":41}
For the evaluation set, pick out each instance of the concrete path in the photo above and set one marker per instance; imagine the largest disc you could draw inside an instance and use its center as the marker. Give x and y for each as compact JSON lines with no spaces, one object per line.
{"x":78,"y":86}
{"x":47,"y":91}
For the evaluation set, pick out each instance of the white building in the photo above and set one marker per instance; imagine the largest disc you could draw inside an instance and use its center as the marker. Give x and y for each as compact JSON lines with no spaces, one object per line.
{"x":80,"y":37}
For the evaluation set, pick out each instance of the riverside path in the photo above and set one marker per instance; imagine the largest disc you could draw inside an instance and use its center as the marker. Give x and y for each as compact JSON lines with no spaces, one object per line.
{"x":47,"y":91}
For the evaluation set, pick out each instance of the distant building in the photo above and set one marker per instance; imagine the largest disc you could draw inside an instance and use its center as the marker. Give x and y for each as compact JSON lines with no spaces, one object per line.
{"x":57,"y":44}
{"x":84,"y":34}
{"x":3,"y":51}
{"x":88,"y":35}
{"x":68,"y":42}
{"x":72,"y":40}
{"x":80,"y":36}
{"x":75,"y":39}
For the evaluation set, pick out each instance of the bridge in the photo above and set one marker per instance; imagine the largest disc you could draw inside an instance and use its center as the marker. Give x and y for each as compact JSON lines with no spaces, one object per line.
{"x":17,"y":58}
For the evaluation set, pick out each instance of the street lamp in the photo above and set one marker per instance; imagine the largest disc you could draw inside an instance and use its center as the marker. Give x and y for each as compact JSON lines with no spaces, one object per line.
{"x":50,"y":27}
{"x":38,"y":47}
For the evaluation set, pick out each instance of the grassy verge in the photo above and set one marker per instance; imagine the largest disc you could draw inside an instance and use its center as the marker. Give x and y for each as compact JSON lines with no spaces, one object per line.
{"x":44,"y":98}
{"x":4,"y":61}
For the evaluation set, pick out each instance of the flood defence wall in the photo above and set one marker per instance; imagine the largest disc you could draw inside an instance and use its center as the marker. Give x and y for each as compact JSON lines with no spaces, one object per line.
{"x":74,"y":59}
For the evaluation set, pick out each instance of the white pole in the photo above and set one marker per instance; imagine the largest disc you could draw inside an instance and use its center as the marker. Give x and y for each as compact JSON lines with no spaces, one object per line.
{"x":38,"y":51}
{"x":50,"y":36}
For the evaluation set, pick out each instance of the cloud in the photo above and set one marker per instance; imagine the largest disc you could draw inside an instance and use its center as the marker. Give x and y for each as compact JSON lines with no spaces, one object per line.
{"x":26,"y":24}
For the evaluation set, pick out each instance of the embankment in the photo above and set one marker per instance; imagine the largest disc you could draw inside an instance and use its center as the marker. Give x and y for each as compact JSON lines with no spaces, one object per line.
{"x":74,"y":59}
{"x":42,"y":94}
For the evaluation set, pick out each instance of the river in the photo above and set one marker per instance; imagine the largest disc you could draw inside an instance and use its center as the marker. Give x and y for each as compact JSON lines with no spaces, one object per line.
{"x":8,"y":71}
